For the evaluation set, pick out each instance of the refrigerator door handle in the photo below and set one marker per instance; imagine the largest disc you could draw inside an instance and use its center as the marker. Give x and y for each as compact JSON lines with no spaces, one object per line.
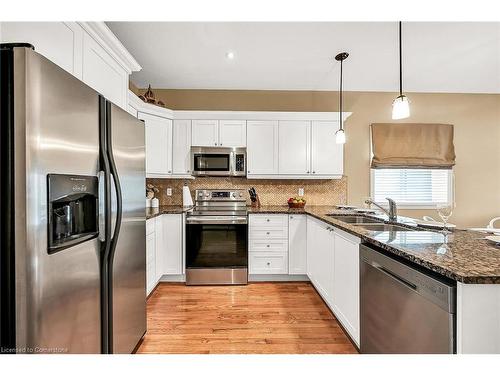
{"x":118,"y":222}
{"x":106,"y":237}
{"x":102,"y":207}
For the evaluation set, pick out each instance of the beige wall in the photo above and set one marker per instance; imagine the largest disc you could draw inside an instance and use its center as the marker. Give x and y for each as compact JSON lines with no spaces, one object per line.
{"x":477,"y":135}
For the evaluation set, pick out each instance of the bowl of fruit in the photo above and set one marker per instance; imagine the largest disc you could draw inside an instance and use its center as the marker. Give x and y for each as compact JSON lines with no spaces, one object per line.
{"x":296,"y":202}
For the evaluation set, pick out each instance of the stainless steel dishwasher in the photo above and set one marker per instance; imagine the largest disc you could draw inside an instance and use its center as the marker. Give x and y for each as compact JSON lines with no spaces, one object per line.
{"x":404,"y":310}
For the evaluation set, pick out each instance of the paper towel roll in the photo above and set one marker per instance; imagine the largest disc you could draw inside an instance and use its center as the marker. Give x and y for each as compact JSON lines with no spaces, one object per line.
{"x":187,"y":201}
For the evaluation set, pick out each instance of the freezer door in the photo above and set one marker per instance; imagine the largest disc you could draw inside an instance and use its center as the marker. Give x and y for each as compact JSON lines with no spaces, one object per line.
{"x":129,"y":260}
{"x":56,"y":132}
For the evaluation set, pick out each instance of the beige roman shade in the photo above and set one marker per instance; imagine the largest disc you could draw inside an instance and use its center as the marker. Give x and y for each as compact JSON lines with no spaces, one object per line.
{"x":412,"y":146}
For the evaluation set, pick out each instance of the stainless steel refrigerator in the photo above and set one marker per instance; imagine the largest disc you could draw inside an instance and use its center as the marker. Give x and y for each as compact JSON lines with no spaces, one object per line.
{"x":72,"y":167}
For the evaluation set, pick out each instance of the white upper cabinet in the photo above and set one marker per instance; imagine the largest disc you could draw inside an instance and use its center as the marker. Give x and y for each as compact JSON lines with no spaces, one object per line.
{"x":297,"y":244}
{"x":88,"y":50}
{"x":215,"y":133}
{"x":294,"y":147}
{"x":262,"y":148}
{"x":158,"y":141}
{"x":103,"y":73}
{"x":60,"y":42}
{"x":205,"y":133}
{"x":327,"y":156}
{"x":181,"y":146}
{"x":232,"y":133}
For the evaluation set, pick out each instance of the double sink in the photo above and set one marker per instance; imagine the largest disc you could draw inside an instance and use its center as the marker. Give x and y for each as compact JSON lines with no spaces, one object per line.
{"x":369,"y":223}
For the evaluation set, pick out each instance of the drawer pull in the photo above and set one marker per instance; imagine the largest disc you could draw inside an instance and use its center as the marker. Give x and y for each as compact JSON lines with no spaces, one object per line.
{"x":267,"y":245}
{"x":268,"y":233}
{"x":268,"y":220}
{"x":268,"y":263}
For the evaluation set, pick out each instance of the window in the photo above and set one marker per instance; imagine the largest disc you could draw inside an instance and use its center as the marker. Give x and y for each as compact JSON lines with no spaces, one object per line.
{"x":412,"y":188}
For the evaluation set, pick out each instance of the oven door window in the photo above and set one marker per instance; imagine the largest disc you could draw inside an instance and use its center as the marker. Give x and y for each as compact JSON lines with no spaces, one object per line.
{"x":216,"y":245}
{"x":212,"y":162}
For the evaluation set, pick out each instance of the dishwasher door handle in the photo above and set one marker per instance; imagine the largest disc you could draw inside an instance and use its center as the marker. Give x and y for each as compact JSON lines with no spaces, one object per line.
{"x":393,"y":276}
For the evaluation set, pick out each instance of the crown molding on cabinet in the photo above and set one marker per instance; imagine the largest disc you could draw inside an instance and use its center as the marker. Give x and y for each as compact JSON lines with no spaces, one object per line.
{"x":105,"y":37}
{"x":258,"y":115}
{"x":140,"y":106}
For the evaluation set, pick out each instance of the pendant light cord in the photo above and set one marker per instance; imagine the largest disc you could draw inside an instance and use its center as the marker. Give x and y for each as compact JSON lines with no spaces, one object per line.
{"x":341,"y":117}
{"x":400,"y":63}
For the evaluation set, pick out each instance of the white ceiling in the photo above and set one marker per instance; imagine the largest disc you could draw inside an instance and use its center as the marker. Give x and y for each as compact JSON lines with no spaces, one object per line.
{"x":437,"y":57}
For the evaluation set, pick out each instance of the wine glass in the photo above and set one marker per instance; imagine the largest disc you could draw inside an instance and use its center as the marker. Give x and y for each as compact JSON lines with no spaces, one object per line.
{"x":445,"y":211}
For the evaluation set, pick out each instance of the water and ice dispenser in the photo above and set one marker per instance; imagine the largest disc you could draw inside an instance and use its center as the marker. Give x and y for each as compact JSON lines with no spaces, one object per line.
{"x":73,"y":210}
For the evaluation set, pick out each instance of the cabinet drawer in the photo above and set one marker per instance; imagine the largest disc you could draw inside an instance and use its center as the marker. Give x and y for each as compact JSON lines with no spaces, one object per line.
{"x":269,"y":233}
{"x":268,"y":263}
{"x":150,"y":226}
{"x":276,"y":220}
{"x":270,"y":245}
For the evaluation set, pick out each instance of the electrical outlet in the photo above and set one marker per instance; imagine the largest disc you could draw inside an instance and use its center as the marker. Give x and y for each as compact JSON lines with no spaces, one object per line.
{"x":301,"y":192}
{"x":169,"y":192}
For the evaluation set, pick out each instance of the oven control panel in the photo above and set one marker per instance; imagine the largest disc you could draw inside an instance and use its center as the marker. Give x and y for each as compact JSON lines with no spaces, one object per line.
{"x":220,"y":195}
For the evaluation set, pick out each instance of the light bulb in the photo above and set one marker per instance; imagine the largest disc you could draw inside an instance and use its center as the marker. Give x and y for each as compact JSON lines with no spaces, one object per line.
{"x":340,"y":136}
{"x":400,"y":108}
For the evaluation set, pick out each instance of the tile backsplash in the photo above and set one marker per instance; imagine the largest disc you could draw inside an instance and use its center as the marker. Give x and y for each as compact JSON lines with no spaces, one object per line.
{"x":271,"y":192}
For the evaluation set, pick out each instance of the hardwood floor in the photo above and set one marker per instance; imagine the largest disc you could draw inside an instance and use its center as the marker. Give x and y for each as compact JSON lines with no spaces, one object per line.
{"x":258,"y":318}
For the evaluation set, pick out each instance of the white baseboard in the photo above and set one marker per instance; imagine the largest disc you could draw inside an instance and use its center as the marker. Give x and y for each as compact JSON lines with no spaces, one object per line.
{"x":254,"y":278}
{"x":173,"y":278}
{"x":278,"y":278}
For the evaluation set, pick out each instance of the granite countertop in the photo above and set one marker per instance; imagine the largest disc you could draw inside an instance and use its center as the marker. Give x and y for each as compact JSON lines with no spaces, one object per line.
{"x":170,"y":209}
{"x":465,"y":256}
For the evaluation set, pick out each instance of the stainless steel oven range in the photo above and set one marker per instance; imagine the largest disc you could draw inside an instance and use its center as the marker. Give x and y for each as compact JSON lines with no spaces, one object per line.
{"x":217,"y":238}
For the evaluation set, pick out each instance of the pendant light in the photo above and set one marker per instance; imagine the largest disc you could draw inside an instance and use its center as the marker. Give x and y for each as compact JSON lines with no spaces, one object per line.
{"x":400,"y":105}
{"x":340,"y":134}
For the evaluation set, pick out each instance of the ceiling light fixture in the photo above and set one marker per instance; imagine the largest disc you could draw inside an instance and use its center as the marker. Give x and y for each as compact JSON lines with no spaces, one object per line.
{"x":340,"y":134}
{"x":230,"y":55}
{"x":400,"y":105}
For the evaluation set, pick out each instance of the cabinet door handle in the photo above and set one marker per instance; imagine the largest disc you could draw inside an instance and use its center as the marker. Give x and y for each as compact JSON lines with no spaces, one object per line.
{"x":268,"y":263}
{"x":267,"y":220}
{"x":216,"y":143}
{"x":314,"y":171}
{"x":169,"y":171}
{"x":220,"y":144}
{"x":307,"y":171}
{"x":291,"y":217}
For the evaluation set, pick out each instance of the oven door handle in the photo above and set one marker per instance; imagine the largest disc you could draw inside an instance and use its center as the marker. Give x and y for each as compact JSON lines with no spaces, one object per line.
{"x":216,"y":220}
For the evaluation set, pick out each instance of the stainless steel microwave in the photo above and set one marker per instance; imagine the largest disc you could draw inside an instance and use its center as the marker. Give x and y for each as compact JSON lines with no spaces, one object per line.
{"x":218,"y":161}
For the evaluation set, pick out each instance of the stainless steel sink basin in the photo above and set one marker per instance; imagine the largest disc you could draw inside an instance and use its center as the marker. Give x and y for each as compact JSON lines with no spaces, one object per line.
{"x":354,"y":219}
{"x":382,"y":227}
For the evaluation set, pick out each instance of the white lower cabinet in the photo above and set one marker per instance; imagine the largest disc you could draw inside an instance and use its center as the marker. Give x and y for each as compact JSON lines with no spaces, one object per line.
{"x":262,"y":263}
{"x":150,"y":263}
{"x":172,"y":233}
{"x":346,"y":282}
{"x":268,"y":244}
{"x":320,"y":257}
{"x":333,"y":268}
{"x":150,"y":255}
{"x":297,"y":244}
{"x":164,"y":248}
